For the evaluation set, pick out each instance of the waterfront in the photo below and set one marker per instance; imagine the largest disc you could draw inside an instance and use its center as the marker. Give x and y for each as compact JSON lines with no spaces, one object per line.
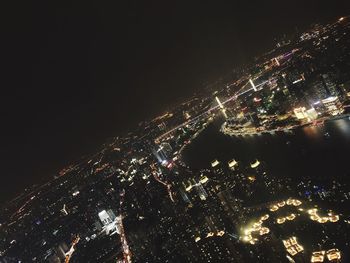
{"x":272,"y":185}
{"x":314,"y":158}
{"x":318,"y":152}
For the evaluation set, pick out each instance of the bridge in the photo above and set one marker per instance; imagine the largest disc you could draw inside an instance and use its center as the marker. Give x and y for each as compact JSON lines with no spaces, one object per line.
{"x":249,"y":86}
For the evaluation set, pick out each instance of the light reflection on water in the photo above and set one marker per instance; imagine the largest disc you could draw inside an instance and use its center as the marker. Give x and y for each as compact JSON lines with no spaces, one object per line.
{"x":316,"y":151}
{"x":339,"y":128}
{"x":343,"y":126}
{"x":314,"y":132}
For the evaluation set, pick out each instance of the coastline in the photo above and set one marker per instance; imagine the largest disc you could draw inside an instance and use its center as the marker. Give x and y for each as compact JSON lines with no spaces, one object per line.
{"x":235,"y":133}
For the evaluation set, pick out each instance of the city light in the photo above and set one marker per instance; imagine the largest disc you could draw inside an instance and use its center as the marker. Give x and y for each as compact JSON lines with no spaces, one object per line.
{"x":318,"y":256}
{"x":292,"y":246}
{"x":252,"y":84}
{"x":333,"y":254}
{"x":232,"y":163}
{"x":215,"y":163}
{"x":187,"y":186}
{"x":255,"y":164}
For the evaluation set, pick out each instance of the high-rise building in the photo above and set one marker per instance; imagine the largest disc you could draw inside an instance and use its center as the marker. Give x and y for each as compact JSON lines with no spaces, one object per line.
{"x":232,"y":205}
{"x":217,"y":169}
{"x":224,"y":111}
{"x":163,"y":153}
{"x":318,"y":90}
{"x":300,"y":113}
{"x":329,"y":85}
{"x":162,"y":126}
{"x":108,"y":219}
{"x":333,"y":105}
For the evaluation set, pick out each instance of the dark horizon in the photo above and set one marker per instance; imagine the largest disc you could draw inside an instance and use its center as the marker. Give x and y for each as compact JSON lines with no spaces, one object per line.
{"x":76,"y":75}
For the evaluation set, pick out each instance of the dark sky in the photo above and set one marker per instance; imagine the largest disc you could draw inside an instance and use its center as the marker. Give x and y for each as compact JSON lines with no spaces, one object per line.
{"x":76,"y":73}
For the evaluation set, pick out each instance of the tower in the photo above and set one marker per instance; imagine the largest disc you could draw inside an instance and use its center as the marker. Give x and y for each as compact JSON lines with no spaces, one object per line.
{"x":252,"y":84}
{"x":221,"y":106}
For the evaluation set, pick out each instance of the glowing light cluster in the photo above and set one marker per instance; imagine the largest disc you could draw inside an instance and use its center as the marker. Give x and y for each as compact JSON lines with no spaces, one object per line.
{"x":221,"y":233}
{"x":214,"y":163}
{"x":255,"y":164}
{"x":281,"y":204}
{"x":188,"y":188}
{"x":274,"y":208}
{"x":333,"y":254}
{"x":203,"y":180}
{"x":317,"y":256}
{"x":282,"y":220}
{"x":292,"y":246}
{"x":265,"y":217}
{"x":314,"y":216}
{"x":256,"y":229}
{"x":210,"y":234}
{"x":252,"y":178}
{"x":232,"y":163}
{"x":264,"y":231}
{"x":290,"y":202}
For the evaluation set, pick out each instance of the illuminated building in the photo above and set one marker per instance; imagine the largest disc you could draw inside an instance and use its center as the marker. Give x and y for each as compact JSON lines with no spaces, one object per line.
{"x":333,"y":105}
{"x":212,"y":204}
{"x":64,"y":210}
{"x":109,"y":221}
{"x":261,"y":180}
{"x":292,"y":246}
{"x":317,"y":256}
{"x":329,"y":85}
{"x":318,"y":90}
{"x":276,"y":61}
{"x":252,"y":84}
{"x":105,"y":217}
{"x":217,"y":169}
{"x":222,"y":108}
{"x":162,"y":126}
{"x":232,"y":164}
{"x":58,"y":253}
{"x":333,"y":255}
{"x":300,"y":113}
{"x":166,"y":149}
{"x":319,"y":107}
{"x":255,"y":164}
{"x":311,"y":114}
{"x":215,"y":163}
{"x":187,"y":115}
{"x":201,"y":191}
{"x":163,"y":153}
{"x":203,"y":179}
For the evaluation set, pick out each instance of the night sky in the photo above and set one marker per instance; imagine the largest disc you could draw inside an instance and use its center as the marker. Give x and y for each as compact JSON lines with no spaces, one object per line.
{"x":77,"y":73}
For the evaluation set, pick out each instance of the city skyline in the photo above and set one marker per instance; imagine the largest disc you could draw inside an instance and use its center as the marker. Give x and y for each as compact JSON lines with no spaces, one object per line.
{"x":150,"y":136}
{"x":69,"y":91}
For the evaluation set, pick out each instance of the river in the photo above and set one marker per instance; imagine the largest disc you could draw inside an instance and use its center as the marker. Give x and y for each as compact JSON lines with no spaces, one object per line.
{"x":315,"y":151}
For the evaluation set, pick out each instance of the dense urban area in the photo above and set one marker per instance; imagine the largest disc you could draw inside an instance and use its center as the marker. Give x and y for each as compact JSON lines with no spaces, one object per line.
{"x":138,"y":200}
